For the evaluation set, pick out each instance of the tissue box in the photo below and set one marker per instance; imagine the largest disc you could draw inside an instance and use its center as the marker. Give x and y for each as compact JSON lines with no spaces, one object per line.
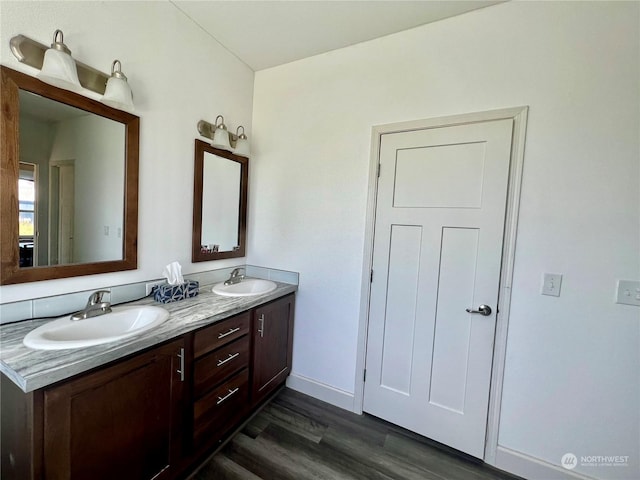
{"x":173,"y":293}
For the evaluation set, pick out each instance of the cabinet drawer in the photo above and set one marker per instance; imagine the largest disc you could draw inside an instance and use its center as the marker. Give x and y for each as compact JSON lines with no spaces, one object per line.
{"x":220,"y":364}
{"x":215,"y":413}
{"x":221,"y":333}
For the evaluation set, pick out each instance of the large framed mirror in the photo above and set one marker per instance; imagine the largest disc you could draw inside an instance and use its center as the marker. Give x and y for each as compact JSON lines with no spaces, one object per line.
{"x":219,"y":204}
{"x":69,"y":197}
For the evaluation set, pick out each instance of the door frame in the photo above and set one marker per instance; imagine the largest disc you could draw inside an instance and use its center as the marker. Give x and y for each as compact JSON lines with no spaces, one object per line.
{"x":519,"y":117}
{"x":55,"y":179}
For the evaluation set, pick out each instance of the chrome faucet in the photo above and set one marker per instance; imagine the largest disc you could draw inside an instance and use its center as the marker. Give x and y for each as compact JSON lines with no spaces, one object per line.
{"x":235,"y":277}
{"x":95,"y":306}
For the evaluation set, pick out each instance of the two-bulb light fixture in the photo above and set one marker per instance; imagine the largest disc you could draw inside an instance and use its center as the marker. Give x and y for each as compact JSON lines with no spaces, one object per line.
{"x":221,"y":137}
{"x":58,"y":68}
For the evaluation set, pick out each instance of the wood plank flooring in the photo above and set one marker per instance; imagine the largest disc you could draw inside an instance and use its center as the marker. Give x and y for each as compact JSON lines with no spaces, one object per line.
{"x":297,"y":437}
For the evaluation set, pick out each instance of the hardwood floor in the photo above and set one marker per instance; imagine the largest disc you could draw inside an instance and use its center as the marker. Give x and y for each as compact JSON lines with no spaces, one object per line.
{"x":297,"y":437}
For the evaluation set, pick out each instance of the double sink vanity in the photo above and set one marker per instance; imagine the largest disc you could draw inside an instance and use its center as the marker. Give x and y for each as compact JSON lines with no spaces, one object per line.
{"x":144,"y":391}
{"x":152,"y":405}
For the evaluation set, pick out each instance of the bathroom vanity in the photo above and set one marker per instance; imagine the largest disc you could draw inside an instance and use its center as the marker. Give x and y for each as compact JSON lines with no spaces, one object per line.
{"x":149,"y":407}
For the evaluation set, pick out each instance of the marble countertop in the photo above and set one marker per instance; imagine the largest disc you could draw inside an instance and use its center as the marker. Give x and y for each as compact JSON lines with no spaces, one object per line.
{"x":32,"y":369}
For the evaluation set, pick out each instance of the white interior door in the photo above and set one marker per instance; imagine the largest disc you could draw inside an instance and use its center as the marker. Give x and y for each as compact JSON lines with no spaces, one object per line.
{"x":66,"y":205}
{"x":437,"y":252}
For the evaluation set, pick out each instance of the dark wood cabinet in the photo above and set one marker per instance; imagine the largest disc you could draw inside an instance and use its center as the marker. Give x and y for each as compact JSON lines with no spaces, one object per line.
{"x":220,"y":379}
{"x":119,"y":422}
{"x":221,"y":333}
{"x":217,"y":412}
{"x":219,"y":365}
{"x":272,"y":346}
{"x":153,"y":415}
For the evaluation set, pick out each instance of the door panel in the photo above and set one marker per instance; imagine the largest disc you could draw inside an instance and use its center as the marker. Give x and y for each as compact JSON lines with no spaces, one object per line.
{"x":397,"y":360}
{"x":67,"y":208}
{"x":450,"y":360}
{"x":437,"y":251}
{"x":423,"y":176}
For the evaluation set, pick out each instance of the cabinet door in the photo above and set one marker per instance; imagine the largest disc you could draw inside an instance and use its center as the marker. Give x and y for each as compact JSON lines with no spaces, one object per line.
{"x":272,"y":345}
{"x":120,"y":422}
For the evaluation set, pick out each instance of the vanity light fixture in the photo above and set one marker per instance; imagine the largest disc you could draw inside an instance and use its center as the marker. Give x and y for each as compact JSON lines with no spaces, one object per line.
{"x":236,"y":143}
{"x":58,"y":68}
{"x":221,"y":135}
{"x":118,"y":93}
{"x":242,"y":144}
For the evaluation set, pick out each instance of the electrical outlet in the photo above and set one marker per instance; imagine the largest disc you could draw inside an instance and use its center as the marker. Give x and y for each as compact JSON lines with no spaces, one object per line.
{"x":628,"y":293}
{"x":551,"y":284}
{"x":149,"y":286}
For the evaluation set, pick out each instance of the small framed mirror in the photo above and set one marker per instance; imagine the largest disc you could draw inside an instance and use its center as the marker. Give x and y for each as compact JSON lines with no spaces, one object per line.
{"x":69,"y":197}
{"x":219,"y":204}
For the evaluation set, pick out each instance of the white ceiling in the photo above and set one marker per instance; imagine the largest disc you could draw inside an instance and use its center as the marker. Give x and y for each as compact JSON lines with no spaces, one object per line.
{"x":46,"y":110}
{"x":267,"y":33}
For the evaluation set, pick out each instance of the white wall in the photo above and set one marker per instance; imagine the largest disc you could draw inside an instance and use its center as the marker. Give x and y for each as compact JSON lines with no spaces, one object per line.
{"x":571,"y":382}
{"x":178,"y":75}
{"x":96,"y":146}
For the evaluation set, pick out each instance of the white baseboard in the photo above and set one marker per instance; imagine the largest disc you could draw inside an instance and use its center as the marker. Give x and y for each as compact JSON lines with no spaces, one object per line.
{"x":532,"y":468}
{"x":321,"y":391}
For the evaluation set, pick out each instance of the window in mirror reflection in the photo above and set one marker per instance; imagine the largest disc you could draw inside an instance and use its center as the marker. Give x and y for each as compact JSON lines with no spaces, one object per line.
{"x":78,"y":161}
{"x":220,"y":204}
{"x":27,"y":208}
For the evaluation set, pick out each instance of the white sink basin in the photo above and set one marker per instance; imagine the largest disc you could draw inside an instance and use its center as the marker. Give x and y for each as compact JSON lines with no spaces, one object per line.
{"x":121,"y":323}
{"x":245,"y":288}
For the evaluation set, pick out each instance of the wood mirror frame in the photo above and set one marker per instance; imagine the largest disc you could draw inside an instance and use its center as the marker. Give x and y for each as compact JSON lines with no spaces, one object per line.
{"x":197,"y":255}
{"x":11,"y":273}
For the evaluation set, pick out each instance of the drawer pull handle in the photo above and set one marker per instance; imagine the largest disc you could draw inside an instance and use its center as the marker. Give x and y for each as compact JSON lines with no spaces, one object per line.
{"x":231,"y":392}
{"x":232,"y":330}
{"x":180,"y":371}
{"x":261,"y":329}
{"x":229,"y":358}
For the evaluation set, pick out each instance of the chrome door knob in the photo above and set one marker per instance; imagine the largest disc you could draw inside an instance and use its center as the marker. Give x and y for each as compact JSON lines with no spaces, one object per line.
{"x":484,"y":310}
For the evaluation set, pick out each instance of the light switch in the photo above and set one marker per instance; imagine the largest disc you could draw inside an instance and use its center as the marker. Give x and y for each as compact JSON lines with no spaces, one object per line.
{"x":628,"y":292}
{"x":551,"y":283}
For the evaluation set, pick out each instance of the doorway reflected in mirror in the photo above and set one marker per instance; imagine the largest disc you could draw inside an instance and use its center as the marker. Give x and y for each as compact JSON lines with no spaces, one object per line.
{"x":77,"y":207}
